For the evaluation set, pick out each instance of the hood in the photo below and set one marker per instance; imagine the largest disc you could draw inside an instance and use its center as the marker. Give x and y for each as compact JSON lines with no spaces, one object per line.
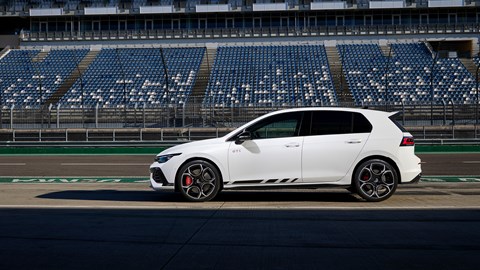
{"x":191,"y":145}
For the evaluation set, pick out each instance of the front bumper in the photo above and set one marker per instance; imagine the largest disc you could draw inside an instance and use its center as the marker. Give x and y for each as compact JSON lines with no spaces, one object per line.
{"x":158,"y":181}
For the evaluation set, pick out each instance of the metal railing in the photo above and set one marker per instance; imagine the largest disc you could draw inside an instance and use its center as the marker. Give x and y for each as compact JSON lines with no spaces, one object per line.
{"x":194,"y":114}
{"x":468,"y":134}
{"x":363,"y":30}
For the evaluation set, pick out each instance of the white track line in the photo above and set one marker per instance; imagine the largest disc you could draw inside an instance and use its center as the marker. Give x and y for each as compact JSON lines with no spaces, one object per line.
{"x":13,"y":164}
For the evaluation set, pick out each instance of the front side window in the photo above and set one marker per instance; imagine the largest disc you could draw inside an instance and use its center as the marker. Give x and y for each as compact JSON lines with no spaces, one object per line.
{"x":277,"y":126}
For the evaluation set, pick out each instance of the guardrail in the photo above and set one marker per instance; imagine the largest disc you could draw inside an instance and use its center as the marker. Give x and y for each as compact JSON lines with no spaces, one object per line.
{"x":447,"y":141}
{"x":194,"y":114}
{"x":424,"y":134}
{"x":111,"y":135}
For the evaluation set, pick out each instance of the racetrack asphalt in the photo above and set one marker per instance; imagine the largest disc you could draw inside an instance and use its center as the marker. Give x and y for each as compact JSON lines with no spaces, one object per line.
{"x":457,"y":164}
{"x":128,"y":226}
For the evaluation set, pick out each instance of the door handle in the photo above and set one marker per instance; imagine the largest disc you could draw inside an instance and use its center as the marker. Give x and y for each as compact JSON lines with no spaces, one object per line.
{"x":291,"y":145}
{"x":354,"y":141}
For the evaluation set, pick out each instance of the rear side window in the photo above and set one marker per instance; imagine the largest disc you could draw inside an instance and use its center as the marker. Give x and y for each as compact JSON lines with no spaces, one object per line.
{"x":338,"y":122}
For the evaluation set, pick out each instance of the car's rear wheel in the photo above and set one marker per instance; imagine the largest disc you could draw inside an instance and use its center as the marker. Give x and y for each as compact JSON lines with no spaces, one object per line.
{"x":375,"y":180}
{"x":198,"y":181}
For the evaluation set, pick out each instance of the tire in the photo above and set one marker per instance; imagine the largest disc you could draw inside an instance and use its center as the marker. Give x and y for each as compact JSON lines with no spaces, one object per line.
{"x":198,"y":181}
{"x":375,"y":180}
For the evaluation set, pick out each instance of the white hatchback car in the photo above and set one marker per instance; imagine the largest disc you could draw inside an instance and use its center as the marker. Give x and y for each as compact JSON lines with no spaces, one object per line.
{"x":366,"y":151}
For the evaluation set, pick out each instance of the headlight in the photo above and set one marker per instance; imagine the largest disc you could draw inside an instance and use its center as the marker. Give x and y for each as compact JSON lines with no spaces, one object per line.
{"x":165,"y":158}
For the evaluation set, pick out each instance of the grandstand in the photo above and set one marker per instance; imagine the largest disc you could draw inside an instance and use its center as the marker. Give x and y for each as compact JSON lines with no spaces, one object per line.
{"x":30,"y":77}
{"x":406,"y":76}
{"x":120,"y":77}
{"x":270,"y":76}
{"x":193,"y":62}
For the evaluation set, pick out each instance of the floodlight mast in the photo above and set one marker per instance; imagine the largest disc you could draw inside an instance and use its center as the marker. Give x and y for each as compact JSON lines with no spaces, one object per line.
{"x":431,"y":80}
{"x":124,"y":88}
{"x":40,"y":87}
{"x":387,"y":67}
{"x":476,"y":92}
{"x":80,"y":77}
{"x":165,"y":70}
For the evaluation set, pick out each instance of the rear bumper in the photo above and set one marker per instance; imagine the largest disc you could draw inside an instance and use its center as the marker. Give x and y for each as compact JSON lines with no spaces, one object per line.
{"x":414,"y":180}
{"x":410,"y":168}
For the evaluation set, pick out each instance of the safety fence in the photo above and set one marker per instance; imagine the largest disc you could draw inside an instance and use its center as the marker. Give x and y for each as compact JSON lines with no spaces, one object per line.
{"x":363,"y":30}
{"x":194,"y":114}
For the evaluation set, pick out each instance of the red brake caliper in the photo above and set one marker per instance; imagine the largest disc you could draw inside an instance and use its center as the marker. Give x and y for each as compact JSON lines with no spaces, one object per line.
{"x":188,"y":180}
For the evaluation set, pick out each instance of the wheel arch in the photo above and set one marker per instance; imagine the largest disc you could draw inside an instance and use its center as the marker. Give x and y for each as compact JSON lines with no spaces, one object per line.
{"x":384,"y":158}
{"x":177,"y":188}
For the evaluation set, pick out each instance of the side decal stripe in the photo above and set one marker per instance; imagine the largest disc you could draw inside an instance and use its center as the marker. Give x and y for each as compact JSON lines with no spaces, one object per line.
{"x":268,"y":181}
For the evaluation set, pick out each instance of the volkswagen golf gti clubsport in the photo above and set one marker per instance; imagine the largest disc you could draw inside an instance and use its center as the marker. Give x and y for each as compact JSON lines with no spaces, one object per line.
{"x":366,"y":151}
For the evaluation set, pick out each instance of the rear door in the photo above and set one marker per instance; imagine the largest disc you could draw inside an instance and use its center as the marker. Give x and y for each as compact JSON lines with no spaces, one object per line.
{"x":335,"y":141}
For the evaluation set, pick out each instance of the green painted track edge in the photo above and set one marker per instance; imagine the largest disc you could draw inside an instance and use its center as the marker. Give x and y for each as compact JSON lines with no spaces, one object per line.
{"x":81,"y":150}
{"x":447,"y":149}
{"x":72,"y":180}
{"x":145,"y":180}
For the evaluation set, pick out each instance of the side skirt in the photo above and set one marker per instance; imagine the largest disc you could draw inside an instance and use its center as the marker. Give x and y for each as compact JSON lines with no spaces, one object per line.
{"x":288,"y":186}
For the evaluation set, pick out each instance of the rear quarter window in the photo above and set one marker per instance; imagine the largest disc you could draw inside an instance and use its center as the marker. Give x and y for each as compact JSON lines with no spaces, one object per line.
{"x":361,"y":124}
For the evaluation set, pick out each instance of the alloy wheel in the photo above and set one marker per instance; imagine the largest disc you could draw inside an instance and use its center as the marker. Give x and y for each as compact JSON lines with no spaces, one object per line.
{"x":376,"y":180}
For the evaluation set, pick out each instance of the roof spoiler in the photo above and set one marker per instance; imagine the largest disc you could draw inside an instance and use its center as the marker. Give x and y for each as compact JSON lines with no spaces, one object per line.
{"x":394,"y":114}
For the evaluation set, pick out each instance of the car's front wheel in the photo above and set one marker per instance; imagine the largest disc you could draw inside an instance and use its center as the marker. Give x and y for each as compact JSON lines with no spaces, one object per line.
{"x":375,"y":180}
{"x":198,"y":181}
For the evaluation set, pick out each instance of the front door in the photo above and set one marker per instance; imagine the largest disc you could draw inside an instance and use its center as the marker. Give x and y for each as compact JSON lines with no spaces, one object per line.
{"x":272,"y":156}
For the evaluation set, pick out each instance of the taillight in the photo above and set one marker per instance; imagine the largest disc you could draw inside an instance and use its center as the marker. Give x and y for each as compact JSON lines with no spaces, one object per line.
{"x":407,"y":141}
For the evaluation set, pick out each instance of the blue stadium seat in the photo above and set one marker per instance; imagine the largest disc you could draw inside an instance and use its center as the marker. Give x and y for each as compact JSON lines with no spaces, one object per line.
{"x":374,"y":78}
{"x":29,"y":82}
{"x":137,"y":76}
{"x":270,"y":76}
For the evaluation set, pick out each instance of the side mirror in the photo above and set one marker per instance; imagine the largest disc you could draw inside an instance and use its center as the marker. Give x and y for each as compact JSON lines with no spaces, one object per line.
{"x":242,"y":137}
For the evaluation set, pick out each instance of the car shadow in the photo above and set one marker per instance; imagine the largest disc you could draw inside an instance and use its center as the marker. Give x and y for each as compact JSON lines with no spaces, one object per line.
{"x":285,"y":196}
{"x":112,"y":195}
{"x":224,"y":196}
